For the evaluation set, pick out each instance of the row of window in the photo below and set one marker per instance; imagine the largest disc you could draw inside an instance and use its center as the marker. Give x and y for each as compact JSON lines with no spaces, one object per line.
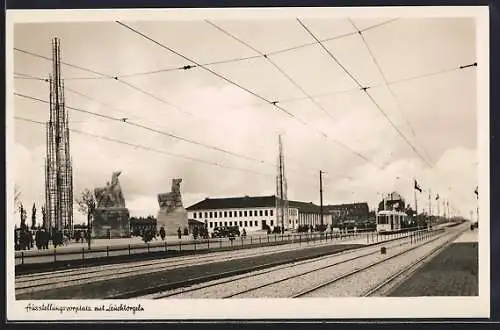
{"x":226,"y":214}
{"x":230,"y":223}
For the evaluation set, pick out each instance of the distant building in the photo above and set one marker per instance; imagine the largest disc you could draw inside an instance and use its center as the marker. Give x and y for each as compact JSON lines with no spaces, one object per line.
{"x":352,"y":212}
{"x":392,"y":201}
{"x":253,"y":213}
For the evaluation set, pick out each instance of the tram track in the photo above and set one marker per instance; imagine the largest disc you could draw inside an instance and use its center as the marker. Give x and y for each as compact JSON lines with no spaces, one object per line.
{"x":387,"y":283}
{"x":240,"y":285}
{"x":63,"y":278}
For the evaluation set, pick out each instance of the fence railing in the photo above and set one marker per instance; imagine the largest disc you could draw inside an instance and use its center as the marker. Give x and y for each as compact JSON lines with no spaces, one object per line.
{"x":206,"y":245}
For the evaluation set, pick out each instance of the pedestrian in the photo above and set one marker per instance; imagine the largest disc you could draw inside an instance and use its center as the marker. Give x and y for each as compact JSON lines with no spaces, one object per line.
{"x":162,"y":233}
{"x":179,"y":233}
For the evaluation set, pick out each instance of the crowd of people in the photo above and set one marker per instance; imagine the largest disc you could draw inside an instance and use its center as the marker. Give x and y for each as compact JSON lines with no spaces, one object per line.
{"x":27,"y":239}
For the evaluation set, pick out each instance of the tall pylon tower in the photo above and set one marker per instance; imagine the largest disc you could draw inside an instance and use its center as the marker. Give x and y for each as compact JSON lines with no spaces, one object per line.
{"x":281,"y":189}
{"x":58,"y":164}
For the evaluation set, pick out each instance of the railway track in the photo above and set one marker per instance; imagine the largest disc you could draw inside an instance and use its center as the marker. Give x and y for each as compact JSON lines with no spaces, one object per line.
{"x":387,"y":281}
{"x":247,"y":284}
{"x":70,"y":277}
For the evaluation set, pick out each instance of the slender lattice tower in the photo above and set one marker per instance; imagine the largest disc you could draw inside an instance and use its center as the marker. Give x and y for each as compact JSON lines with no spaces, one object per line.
{"x":281,"y":189}
{"x":58,"y":165}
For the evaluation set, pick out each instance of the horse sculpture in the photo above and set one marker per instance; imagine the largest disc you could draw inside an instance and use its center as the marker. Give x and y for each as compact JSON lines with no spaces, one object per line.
{"x":111,"y":195}
{"x":171,"y":200}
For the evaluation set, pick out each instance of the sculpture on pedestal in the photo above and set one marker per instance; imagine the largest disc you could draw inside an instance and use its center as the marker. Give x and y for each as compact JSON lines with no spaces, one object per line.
{"x":172,"y":214}
{"x":111,"y":217}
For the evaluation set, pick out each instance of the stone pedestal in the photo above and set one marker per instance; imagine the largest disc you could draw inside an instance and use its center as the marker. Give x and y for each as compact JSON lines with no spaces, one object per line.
{"x":172,"y":220}
{"x":114,"y":220}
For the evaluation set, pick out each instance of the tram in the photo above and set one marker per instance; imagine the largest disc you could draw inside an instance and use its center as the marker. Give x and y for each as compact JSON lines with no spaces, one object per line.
{"x":391,"y":216}
{"x":389,"y":221}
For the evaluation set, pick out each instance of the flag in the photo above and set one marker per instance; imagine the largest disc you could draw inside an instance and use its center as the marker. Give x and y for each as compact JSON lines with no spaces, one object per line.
{"x":417,"y":187}
{"x":476,"y":192}
{"x":437,"y":196}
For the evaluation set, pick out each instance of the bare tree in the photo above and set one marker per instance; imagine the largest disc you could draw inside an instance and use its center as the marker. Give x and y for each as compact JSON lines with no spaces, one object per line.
{"x":86,"y":205}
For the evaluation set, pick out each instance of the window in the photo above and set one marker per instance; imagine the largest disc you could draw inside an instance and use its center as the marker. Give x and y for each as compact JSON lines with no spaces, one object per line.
{"x":241,"y":214}
{"x":194,"y":215}
{"x":265,"y":213}
{"x":225,"y":214}
{"x":230,"y":223}
{"x":206,"y":215}
{"x":220,"y":224}
{"x":251,"y":213}
{"x":250,"y":223}
{"x":225,"y":223}
{"x":230,"y":214}
{"x":271,"y":222}
{"x":245,"y":213}
{"x":260,"y":212}
{"x":255,"y":223}
{"x":289,"y":222}
{"x":271,"y":212}
{"x":211,"y":224}
{"x":220,"y":214}
{"x":246,"y":223}
{"x":200,"y":215}
{"x":241,"y":223}
{"x":210,"y":214}
{"x":215,"y":214}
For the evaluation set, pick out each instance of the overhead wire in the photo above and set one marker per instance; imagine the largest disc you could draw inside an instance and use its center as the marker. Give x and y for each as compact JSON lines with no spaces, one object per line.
{"x":379,"y":68}
{"x":143,"y":147}
{"x":273,"y":103}
{"x":119,"y":80}
{"x":139,"y":146}
{"x":291,"y":80}
{"x":364,"y":89}
{"x":174,"y":136}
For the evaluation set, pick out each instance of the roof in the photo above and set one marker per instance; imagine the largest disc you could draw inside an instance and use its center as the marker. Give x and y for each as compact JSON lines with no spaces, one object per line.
{"x":249,"y":202}
{"x":304,"y":207}
{"x":234,"y":203}
{"x":363,"y":205}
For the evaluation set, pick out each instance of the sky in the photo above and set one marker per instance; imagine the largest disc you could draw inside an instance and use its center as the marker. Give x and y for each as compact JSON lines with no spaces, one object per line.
{"x":367,"y":143}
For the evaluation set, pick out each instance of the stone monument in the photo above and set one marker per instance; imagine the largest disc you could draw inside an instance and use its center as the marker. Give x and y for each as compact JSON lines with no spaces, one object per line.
{"x":111,"y":217}
{"x":172,"y":214}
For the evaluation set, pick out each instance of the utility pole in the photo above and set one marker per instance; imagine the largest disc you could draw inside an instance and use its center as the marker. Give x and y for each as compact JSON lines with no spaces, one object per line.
{"x":321,"y":196}
{"x":430,"y":208}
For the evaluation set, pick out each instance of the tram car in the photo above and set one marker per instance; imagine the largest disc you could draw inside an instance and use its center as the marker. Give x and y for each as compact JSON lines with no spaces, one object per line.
{"x":390,"y":221}
{"x":391,"y":216}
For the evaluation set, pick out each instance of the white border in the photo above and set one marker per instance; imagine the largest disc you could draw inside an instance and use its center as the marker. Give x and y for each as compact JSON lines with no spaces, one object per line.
{"x":431,"y":307}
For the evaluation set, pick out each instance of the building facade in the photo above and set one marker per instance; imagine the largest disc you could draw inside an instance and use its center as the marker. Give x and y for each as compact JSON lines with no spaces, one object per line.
{"x":353,"y":212}
{"x":253,"y":214}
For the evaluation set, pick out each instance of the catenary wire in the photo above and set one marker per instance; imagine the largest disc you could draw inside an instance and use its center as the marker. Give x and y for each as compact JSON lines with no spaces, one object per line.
{"x":273,"y":103}
{"x":139,"y":146}
{"x":364,"y":88}
{"x":291,"y":80}
{"x":132,"y":116}
{"x":177,"y":137}
{"x":384,"y":78}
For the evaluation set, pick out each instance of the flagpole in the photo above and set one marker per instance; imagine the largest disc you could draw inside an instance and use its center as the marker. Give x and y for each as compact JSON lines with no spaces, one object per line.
{"x":430,"y":207}
{"x":477,"y":204}
{"x":439,"y":215}
{"x":416,"y":205}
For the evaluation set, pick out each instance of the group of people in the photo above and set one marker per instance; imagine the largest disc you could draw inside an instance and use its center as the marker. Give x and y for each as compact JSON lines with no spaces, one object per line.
{"x":26,"y":239}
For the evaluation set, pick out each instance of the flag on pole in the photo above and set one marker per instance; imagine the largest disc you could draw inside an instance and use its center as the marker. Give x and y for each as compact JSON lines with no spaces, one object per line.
{"x":437,"y":196}
{"x":417,"y":187}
